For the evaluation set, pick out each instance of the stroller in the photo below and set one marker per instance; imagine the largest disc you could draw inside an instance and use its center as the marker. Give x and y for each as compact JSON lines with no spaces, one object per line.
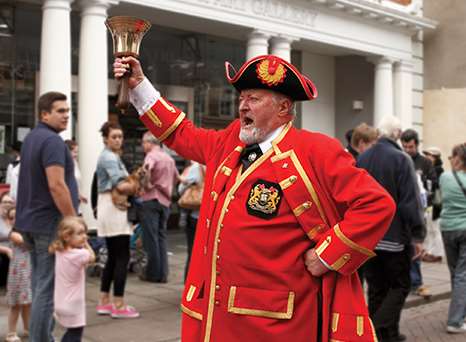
{"x":100,"y":249}
{"x":137,"y":259}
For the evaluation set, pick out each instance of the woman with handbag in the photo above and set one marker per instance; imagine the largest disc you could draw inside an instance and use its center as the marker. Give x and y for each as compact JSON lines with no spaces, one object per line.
{"x":191,"y":189}
{"x":453,"y":226}
{"x":113,"y":224}
{"x":433,"y":243}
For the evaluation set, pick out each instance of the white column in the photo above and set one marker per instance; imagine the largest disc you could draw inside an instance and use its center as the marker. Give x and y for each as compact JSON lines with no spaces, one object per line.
{"x":281,"y":46}
{"x":383,"y":89}
{"x":55,"y":51}
{"x":258,"y":44}
{"x":93,"y":90}
{"x":403,"y":79}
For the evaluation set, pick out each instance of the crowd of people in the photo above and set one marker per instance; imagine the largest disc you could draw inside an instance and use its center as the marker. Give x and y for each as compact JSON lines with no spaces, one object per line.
{"x":49,"y":250}
{"x":424,"y":204}
{"x":381,"y":208}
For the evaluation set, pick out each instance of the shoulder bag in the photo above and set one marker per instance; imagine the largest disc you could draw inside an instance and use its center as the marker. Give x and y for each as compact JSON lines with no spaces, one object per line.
{"x":459,"y":183}
{"x":192,"y":197}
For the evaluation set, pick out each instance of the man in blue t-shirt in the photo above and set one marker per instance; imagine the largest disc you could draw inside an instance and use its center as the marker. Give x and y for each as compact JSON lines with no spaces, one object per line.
{"x":47,"y":191}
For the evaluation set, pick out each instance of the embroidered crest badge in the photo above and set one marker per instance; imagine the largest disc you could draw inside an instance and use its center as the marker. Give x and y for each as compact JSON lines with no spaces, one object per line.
{"x":264,"y":199}
{"x":270,"y":71}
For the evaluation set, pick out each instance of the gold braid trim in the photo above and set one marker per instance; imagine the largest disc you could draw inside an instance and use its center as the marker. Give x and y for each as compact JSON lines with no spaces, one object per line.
{"x":170,"y":129}
{"x":350,"y":243}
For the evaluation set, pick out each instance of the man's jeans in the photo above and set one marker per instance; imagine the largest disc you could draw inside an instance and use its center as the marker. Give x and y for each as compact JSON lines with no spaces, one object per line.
{"x":455,"y":250}
{"x":153,"y":217}
{"x":42,"y":282}
{"x":415,"y":274}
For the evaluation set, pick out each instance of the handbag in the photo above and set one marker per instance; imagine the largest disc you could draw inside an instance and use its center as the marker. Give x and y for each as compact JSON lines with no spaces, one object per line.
{"x":192,"y":197}
{"x":437,"y":198}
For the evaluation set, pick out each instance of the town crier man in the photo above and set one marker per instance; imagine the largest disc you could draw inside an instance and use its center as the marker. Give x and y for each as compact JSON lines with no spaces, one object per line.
{"x":273,"y":194}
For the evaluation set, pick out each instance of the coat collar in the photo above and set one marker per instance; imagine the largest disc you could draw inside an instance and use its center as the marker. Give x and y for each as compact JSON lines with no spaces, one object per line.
{"x":267,"y":143}
{"x":388,"y":141}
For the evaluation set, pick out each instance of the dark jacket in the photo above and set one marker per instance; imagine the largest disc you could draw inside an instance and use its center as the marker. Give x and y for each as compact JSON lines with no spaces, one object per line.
{"x":429,"y":178}
{"x":394,"y":170}
{"x":437,"y":207}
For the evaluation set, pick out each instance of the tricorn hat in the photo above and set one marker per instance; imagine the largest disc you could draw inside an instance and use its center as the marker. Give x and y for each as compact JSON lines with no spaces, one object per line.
{"x":272,"y":73}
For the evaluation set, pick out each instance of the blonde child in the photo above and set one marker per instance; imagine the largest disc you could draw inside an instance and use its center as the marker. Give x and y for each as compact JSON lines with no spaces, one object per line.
{"x":72,"y":255}
{"x":19,"y":293}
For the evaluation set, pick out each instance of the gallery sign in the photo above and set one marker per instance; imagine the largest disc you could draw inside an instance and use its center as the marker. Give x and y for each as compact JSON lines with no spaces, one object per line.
{"x":272,"y":9}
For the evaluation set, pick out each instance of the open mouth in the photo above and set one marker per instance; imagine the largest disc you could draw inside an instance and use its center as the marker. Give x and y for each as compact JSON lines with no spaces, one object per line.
{"x":247,"y":121}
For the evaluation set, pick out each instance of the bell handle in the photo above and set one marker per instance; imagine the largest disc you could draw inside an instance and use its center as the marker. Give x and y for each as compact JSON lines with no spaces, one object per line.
{"x":123,"y":94}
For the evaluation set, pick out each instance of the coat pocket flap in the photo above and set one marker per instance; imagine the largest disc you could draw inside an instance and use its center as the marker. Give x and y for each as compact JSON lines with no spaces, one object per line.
{"x":190,"y":301}
{"x":261,"y":303}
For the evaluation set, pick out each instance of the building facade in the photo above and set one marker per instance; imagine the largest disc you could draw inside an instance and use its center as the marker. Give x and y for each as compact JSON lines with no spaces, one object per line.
{"x":445,"y":77}
{"x":365,"y":57}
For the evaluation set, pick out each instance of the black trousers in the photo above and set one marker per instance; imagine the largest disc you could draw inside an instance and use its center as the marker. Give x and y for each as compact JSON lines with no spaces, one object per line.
{"x":389,"y":283}
{"x":4,"y":264}
{"x":116,"y":268}
{"x":190,"y":233}
{"x":73,"y":335}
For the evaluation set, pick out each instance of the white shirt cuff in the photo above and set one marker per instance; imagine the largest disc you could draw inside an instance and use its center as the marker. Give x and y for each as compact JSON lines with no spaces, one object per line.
{"x":325,"y":264}
{"x":143,"y":96}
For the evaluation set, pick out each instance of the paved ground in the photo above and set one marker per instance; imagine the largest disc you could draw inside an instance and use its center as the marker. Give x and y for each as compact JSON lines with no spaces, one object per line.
{"x":160,"y":315}
{"x":426,"y":323}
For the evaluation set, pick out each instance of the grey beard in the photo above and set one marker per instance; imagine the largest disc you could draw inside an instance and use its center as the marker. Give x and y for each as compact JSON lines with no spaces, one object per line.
{"x":251,"y":137}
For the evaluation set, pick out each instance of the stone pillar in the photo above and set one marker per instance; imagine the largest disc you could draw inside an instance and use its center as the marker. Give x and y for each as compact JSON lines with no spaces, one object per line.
{"x":403,"y":79}
{"x":258,"y":44}
{"x":383,"y":89}
{"x":93,"y":90}
{"x":281,"y":47}
{"x":55,"y":51}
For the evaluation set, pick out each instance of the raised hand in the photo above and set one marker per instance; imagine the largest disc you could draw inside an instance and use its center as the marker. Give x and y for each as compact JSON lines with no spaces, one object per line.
{"x":130,"y":65}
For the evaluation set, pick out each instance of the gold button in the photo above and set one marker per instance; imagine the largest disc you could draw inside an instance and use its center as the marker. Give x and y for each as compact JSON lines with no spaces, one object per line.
{"x":217,"y":272}
{"x":217,"y":287}
{"x":232,"y":197}
{"x":217,"y":303}
{"x":218,"y":257}
{"x":221,"y":225}
{"x":218,"y":240}
{"x":226,"y":210}
{"x":293,"y":179}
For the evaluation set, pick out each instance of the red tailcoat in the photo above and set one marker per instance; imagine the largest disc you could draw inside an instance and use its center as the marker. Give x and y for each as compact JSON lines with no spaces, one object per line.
{"x":247,"y":279}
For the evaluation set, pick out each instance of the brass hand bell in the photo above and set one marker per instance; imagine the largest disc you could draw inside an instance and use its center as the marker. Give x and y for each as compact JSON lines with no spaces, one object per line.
{"x":127,"y":33}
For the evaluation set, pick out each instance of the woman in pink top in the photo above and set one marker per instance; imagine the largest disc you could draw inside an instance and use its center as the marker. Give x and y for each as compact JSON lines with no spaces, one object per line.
{"x":73,"y":254}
